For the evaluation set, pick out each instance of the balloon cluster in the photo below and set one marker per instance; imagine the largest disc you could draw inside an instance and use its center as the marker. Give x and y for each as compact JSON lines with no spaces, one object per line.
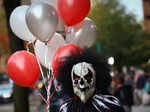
{"x":39,"y":24}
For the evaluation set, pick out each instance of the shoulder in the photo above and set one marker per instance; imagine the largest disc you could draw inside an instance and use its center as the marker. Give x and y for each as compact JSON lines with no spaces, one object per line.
{"x":98,"y":103}
{"x":107,"y":102}
{"x":65,"y":106}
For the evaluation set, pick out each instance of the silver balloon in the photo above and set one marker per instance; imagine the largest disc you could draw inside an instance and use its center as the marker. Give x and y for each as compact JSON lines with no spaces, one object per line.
{"x":50,"y":2}
{"x":83,"y":34}
{"x":60,"y":25}
{"x":42,"y":21}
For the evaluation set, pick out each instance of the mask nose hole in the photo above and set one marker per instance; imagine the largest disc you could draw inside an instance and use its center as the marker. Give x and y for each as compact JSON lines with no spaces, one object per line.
{"x":81,"y":82}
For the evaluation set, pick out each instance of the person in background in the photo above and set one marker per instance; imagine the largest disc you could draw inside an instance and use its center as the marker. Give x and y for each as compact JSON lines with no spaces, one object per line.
{"x":146,"y":93}
{"x":139,"y":86}
{"x":147,"y":86}
{"x":124,"y":93}
{"x":129,"y":80}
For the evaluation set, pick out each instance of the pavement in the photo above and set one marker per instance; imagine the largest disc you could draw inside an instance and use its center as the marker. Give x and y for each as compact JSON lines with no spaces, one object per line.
{"x":34,"y":101}
{"x":36,"y":107}
{"x":141,"y":108}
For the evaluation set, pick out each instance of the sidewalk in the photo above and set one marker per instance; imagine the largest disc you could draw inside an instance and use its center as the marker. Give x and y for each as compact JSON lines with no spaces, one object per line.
{"x":34,"y":101}
{"x":141,"y":108}
{"x":36,"y":107}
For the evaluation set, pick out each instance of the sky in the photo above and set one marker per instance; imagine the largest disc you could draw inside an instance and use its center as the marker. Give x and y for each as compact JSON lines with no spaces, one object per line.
{"x":135,"y":7}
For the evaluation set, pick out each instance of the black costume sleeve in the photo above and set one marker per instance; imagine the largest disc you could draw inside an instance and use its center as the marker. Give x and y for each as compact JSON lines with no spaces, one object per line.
{"x":98,"y":103}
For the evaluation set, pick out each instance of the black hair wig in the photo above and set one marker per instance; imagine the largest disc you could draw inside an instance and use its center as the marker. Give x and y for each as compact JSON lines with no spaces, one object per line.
{"x":103,"y":78}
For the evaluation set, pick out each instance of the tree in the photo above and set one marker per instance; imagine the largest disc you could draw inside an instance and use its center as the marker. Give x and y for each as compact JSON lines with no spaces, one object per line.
{"x":21,"y":102}
{"x":120,"y":35}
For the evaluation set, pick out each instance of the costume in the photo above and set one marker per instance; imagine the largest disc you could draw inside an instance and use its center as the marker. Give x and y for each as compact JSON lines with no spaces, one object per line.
{"x":85,"y":79}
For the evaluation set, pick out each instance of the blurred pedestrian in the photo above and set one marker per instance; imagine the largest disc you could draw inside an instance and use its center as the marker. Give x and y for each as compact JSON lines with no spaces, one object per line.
{"x":129,"y":80}
{"x":139,"y":87}
{"x":147,"y":86}
{"x":124,"y":93}
{"x":146,"y":94}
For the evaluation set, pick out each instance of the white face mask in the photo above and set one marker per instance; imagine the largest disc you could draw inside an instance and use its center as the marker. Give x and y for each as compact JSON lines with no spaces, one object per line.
{"x":83,"y":80}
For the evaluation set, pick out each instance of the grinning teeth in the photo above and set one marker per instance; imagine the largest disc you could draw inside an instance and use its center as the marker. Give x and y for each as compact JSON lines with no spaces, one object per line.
{"x":83,"y":89}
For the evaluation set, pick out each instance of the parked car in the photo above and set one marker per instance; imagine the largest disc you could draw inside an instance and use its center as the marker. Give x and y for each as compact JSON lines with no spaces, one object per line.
{"x":6,"y":88}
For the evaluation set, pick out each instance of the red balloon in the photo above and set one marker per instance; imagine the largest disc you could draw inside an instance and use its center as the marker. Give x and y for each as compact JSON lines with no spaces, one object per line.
{"x":61,"y":53}
{"x":23,"y":68}
{"x":73,"y":11}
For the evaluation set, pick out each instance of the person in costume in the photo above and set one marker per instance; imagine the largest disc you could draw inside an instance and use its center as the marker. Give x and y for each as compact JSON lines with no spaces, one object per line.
{"x":85,"y":79}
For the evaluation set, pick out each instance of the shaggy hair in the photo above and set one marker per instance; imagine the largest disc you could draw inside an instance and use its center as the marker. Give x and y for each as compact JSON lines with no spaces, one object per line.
{"x":103,"y":78}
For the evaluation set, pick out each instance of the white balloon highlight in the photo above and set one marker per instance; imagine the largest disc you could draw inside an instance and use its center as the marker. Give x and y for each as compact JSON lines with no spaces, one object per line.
{"x":18,"y":23}
{"x":45,"y":52}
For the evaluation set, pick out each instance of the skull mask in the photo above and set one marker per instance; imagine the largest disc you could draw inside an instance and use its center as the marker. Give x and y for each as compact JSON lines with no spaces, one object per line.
{"x":83,"y":80}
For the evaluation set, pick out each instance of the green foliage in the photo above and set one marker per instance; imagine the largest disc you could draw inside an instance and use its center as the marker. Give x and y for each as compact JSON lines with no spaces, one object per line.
{"x":120,"y":35}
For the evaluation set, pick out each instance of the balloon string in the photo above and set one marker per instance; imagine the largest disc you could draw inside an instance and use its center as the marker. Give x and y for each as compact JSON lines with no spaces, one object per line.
{"x":50,"y":79}
{"x":41,"y":70}
{"x":42,"y":98}
{"x":50,"y":84}
{"x":49,"y":70}
{"x":48,"y":92}
{"x":45,"y":61}
{"x":36,"y":88}
{"x":47,"y":65}
{"x":48,"y":102}
{"x":42,"y":74}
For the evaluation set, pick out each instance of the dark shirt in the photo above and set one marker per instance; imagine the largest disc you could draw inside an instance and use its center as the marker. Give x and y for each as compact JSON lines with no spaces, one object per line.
{"x":141,"y":82}
{"x":125,"y":95}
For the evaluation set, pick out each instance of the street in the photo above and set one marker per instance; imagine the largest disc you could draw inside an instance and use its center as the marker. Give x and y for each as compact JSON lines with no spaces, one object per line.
{"x":35,"y":105}
{"x":9,"y":108}
{"x":141,"y":109}
{"x":34,"y":101}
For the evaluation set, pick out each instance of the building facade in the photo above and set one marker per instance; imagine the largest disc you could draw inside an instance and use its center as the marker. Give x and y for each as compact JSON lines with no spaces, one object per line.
{"x":146,"y":7}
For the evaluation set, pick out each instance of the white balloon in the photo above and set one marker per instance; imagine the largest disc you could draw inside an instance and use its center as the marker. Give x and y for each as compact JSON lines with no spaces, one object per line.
{"x":45,"y":52}
{"x":18,"y":24}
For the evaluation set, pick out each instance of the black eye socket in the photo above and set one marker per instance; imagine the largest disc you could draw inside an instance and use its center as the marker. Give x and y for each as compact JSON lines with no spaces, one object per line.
{"x":75,"y":77}
{"x":88,"y":77}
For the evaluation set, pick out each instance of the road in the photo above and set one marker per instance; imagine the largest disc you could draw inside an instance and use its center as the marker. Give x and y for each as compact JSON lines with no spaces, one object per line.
{"x":35,"y":102}
{"x":9,"y":108}
{"x":141,"y":108}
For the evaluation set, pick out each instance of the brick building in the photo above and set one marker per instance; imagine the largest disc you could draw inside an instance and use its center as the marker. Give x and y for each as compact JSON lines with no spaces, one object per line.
{"x":146,"y":7}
